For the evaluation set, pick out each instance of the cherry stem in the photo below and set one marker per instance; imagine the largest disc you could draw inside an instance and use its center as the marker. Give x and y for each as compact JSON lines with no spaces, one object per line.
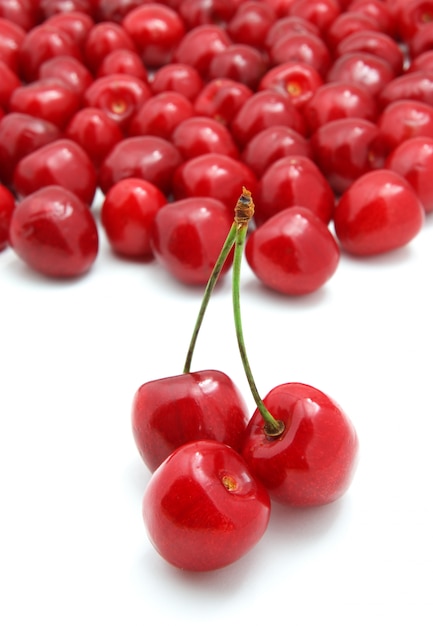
{"x":225,"y":251}
{"x":273,"y":427}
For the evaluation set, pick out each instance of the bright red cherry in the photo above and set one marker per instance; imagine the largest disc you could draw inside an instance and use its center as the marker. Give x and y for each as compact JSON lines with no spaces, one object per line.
{"x":179,"y":77}
{"x":313,"y":461}
{"x":411,"y":86}
{"x":379,"y":212}
{"x":297,"y":80}
{"x":239,"y":62}
{"x":403,"y":119}
{"x":197,"y":12}
{"x":69,"y":70}
{"x":413,"y":159}
{"x":379,"y":11}
{"x":77,"y":24}
{"x":199,"y":46}
{"x":23,"y":13}
{"x":362,"y":68}
{"x":127,"y":216}
{"x":123,"y":61}
{"x":148,"y":157}
{"x":161,"y":114}
{"x":289,"y":25}
{"x":156,"y":31}
{"x":187,"y":237}
{"x":413,"y":17}
{"x":55,"y":233}
{"x":11,"y":37}
{"x":222,"y":513}
{"x":7,"y":206}
{"x":222,"y":98}
{"x":169,"y":412}
{"x":322,"y":13}
{"x":374,"y":42}
{"x":293,"y":252}
{"x":301,"y":48}
{"x":9,"y":81}
{"x":250,"y":23}
{"x":215,"y":175}
{"x":199,"y":134}
{"x":346,"y":24}
{"x":345,"y":149}
{"x":293,"y":181}
{"x":62,"y":162}
{"x":271,"y":144}
{"x":102,"y":39}
{"x":115,"y":10}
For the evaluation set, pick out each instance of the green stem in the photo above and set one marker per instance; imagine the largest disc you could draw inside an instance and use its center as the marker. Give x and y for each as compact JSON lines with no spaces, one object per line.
{"x":273,"y":427}
{"x":225,"y":251}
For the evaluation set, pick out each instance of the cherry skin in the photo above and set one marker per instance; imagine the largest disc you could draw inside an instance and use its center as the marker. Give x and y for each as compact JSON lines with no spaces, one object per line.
{"x":203,"y":509}
{"x":345,"y":25}
{"x":250,"y":23}
{"x":149,"y":157}
{"x":179,"y":77}
{"x":222,"y":98}
{"x":301,"y":48}
{"x":298,"y":80}
{"x":21,"y":134}
{"x":7,"y":206}
{"x":199,"y":46}
{"x":293,"y":252}
{"x":271,"y":144}
{"x":102,"y":39}
{"x":69,"y":70}
{"x":379,"y":212}
{"x":215,"y":175}
{"x":413,"y":159}
{"x":61,"y":162}
{"x":313,"y":461}
{"x":362,"y":68}
{"x":169,"y":412}
{"x":410,"y":86}
{"x":239,"y":62}
{"x":9,"y":81}
{"x":321,"y":13}
{"x":55,"y":233}
{"x":404,"y":119}
{"x":345,"y":149}
{"x":197,"y":12}
{"x":161,"y":114}
{"x":374,"y":42}
{"x":199,"y":134}
{"x":293,"y":181}
{"x":77,"y":24}
{"x":11,"y":37}
{"x":123,"y":61}
{"x":187,"y":236}
{"x":127,"y":215}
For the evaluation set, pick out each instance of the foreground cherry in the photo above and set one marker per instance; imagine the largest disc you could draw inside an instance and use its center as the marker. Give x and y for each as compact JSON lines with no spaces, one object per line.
{"x":203,"y":509}
{"x":172,"y":411}
{"x":312,"y":461}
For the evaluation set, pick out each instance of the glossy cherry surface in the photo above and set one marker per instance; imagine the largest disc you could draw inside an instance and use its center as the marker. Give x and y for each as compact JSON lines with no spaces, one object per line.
{"x":7,"y":206}
{"x":379,"y":212}
{"x":222,"y":514}
{"x":55,"y":233}
{"x":313,"y":461}
{"x":168,"y":412}
{"x":293,"y":252}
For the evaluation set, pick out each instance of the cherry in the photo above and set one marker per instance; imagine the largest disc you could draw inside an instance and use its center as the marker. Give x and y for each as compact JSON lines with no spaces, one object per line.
{"x":23,"y":13}
{"x":156,"y":31}
{"x":69,"y":70}
{"x":199,"y":46}
{"x":198,"y":12}
{"x":198,"y":135}
{"x":297,"y":80}
{"x":11,"y":37}
{"x":222,"y":98}
{"x":250,"y":23}
{"x":187,"y":236}
{"x":373,"y":42}
{"x":413,"y":16}
{"x":222,"y":514}
{"x":379,"y":11}
{"x":21,"y":134}
{"x":294,"y":181}
{"x":148,"y":157}
{"x":411,"y":86}
{"x":379,"y":212}
{"x":347,"y":24}
{"x":301,"y":48}
{"x":271,"y":144}
{"x":7,"y":207}
{"x":312,"y":461}
{"x":362,"y":68}
{"x":172,"y":411}
{"x":123,"y":62}
{"x":161,"y":114}
{"x":216,"y":175}
{"x":9,"y":81}
{"x":77,"y":24}
{"x":293,"y":252}
{"x":115,"y":10}
{"x":413,"y":159}
{"x":127,"y":214}
{"x":404,"y":119}
{"x":102,"y":39}
{"x":179,"y":77}
{"x":240,"y":62}
{"x":54,"y":232}
{"x":62,"y":162}
{"x":322,"y":13}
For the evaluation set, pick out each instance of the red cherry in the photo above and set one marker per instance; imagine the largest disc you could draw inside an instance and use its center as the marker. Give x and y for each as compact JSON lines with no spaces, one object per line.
{"x":119,"y":95}
{"x":62,"y":162}
{"x":161,"y":114}
{"x":172,"y":411}
{"x":215,"y":175}
{"x":322,"y":13}
{"x":199,"y":134}
{"x":187,"y":237}
{"x":345,"y":149}
{"x":222,"y":98}
{"x":48,"y":99}
{"x":413,"y":159}
{"x":222,"y":514}
{"x":123,"y":62}
{"x":156,"y":31}
{"x":115,"y":10}
{"x":347,"y":24}
{"x":264,"y":109}
{"x":293,"y":181}
{"x":373,"y":42}
{"x":239,"y":62}
{"x":301,"y":48}
{"x":7,"y":206}
{"x":95,"y":132}
{"x":21,"y":134}
{"x":198,"y":12}
{"x":23,"y":13}
{"x":421,"y":41}
{"x":11,"y":38}
{"x":379,"y":11}
{"x":362,"y":68}
{"x":55,"y":233}
{"x":312,"y":462}
{"x":69,"y":70}
{"x":423,"y":61}
{"x":9,"y":81}
{"x":379,"y":212}
{"x":250,"y":23}
{"x":289,"y":25}
{"x":53,"y":7}
{"x":127,"y":216}
{"x":199,"y":46}
{"x":404,"y":119}
{"x":102,"y":39}
{"x":297,"y":80}
{"x":77,"y":24}
{"x":271,"y":144}
{"x":293,"y":252}
{"x":179,"y":77}
{"x":148,"y":157}
{"x":411,"y":86}
{"x":338,"y":100}
{"x":413,"y":16}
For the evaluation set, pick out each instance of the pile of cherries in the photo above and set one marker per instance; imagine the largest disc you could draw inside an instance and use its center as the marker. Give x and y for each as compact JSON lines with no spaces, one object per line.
{"x":322,"y":108}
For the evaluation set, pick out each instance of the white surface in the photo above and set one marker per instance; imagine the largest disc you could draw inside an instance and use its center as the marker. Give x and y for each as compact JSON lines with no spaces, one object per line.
{"x":73,"y":549}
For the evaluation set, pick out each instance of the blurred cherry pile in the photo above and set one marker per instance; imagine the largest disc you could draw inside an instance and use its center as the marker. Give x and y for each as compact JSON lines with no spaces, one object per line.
{"x":322,"y":108}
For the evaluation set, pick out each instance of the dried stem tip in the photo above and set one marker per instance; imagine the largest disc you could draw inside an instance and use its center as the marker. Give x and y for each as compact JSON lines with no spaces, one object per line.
{"x":244,"y":209}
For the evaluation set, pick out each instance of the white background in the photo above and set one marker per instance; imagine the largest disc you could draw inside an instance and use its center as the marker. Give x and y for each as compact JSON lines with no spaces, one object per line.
{"x":73,"y":549}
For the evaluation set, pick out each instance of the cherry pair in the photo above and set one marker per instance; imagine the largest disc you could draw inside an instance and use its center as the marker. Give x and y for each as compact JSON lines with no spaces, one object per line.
{"x":215,"y":471}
